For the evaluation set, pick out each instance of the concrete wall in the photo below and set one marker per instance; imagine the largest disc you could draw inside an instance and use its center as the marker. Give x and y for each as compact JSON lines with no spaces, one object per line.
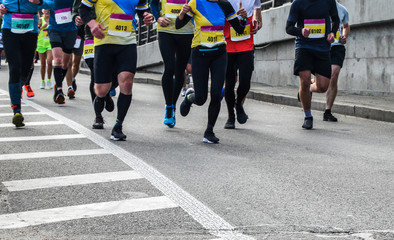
{"x":368,"y":67}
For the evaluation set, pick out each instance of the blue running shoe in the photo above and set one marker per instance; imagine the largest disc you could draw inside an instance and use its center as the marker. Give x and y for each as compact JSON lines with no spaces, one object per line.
{"x":112,"y":92}
{"x":169,"y":118}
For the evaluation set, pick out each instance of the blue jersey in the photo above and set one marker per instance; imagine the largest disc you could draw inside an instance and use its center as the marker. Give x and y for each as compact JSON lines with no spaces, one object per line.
{"x":20,"y":10}
{"x":61,"y":16}
{"x":316,"y":15}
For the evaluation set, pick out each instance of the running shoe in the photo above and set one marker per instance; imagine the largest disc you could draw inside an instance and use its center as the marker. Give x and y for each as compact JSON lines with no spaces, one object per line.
{"x":17,"y":120}
{"x":117,"y":134}
{"x":230,"y":124}
{"x":59,"y":97}
{"x":109,"y":103}
{"x":186,"y":104}
{"x":71,"y":93}
{"x":242,"y":117}
{"x":308,"y":123}
{"x":49,"y":84}
{"x":169,"y":116}
{"x":113,"y":92}
{"x":327,"y":116}
{"x":183,"y":93}
{"x":209,"y":137}
{"x":29,"y":91}
{"x":42,"y":85}
{"x":98,"y":123}
{"x":74,"y":84}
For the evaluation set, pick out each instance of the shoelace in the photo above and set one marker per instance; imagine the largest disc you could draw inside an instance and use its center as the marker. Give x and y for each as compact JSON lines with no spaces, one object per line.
{"x":28,"y":88}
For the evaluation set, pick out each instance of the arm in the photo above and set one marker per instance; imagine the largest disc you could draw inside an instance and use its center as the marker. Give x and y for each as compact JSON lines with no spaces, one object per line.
{"x":345,"y":33}
{"x":143,"y":12}
{"x":257,"y":20}
{"x":231,"y":16}
{"x":335,"y":22}
{"x":155,"y":8}
{"x":183,"y":17}
{"x":95,"y":27}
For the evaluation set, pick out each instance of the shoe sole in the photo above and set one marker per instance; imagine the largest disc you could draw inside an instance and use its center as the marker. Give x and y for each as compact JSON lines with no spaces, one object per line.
{"x":206,"y":140}
{"x":229,"y":127}
{"x":60,"y":99}
{"x":17,"y":120}
{"x":70,"y":93}
{"x":97,"y":127}
{"x":329,"y":120}
{"x":117,"y":139}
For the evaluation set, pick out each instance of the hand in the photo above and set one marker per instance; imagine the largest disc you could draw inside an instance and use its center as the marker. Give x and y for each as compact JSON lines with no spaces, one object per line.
{"x":331,"y":38}
{"x":78,"y":21}
{"x":343,"y":39}
{"x":186,"y":8}
{"x":3,"y":9}
{"x":242,"y":12}
{"x":163,"y":21}
{"x":306,"y":32}
{"x":148,"y":18}
{"x":35,"y":1}
{"x":256,"y":27}
{"x":96,"y":29}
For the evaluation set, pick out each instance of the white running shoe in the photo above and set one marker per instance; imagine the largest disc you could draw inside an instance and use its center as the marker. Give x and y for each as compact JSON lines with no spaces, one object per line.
{"x":49,"y":84}
{"x":42,"y":85}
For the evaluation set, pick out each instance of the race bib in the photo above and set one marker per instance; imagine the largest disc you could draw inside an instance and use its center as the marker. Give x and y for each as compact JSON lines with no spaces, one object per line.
{"x":120,"y":25}
{"x":77,"y":42}
{"x":63,"y":16}
{"x":317,"y":26}
{"x":45,"y":34}
{"x":174,"y":8}
{"x":338,"y":36}
{"x":22,"y":23}
{"x":236,"y":37}
{"x":88,"y":49}
{"x":211,"y":35}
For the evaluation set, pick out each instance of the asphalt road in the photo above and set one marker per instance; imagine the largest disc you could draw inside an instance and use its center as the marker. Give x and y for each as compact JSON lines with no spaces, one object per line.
{"x":267,"y":179}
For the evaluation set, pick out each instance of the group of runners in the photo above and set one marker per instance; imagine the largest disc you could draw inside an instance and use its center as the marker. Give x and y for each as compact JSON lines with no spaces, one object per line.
{"x":215,"y":36}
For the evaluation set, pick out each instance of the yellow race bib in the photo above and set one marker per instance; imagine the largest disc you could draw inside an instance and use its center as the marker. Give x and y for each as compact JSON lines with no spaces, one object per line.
{"x":120,"y":25}
{"x":211,"y":35}
{"x":88,"y":49}
{"x":236,"y":37}
{"x":174,"y":8}
{"x":317,"y":26}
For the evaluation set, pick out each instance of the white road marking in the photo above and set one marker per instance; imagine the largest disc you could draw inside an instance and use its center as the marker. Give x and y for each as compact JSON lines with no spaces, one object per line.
{"x":37,"y":217}
{"x":215,"y":224}
{"x":64,"y":181}
{"x":23,"y":113}
{"x":4,"y":99}
{"x":46,"y":123}
{"x":30,"y":155}
{"x":39,"y":138}
{"x":9,"y":105}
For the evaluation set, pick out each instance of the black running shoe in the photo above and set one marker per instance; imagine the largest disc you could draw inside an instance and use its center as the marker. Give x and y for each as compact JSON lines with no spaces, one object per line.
{"x":230,"y":124}
{"x":186,"y":104}
{"x":98,"y":123}
{"x":117,"y":134}
{"x":60,"y":99}
{"x":109,"y":103}
{"x":308,"y":123}
{"x":209,"y":137}
{"x":327,"y":116}
{"x":242,"y":117}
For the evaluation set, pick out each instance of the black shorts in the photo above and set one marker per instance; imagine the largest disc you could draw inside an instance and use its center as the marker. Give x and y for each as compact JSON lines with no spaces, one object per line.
{"x":65,"y":40}
{"x":316,"y":62}
{"x":112,"y":58}
{"x":338,"y":53}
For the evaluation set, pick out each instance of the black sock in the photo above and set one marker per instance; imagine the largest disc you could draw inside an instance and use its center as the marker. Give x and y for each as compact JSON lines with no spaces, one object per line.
{"x":98,"y":104}
{"x":64,"y":72}
{"x":58,"y":73}
{"x":328,"y":111}
{"x":123,"y":105}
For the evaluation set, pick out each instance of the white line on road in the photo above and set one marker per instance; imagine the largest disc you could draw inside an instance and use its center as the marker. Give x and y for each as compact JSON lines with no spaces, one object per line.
{"x":37,"y":217}
{"x":46,"y":123}
{"x":31,"y":155}
{"x":40,"y":138}
{"x":65,"y":181}
{"x":23,"y":113}
{"x":215,"y":224}
{"x":4,"y":99}
{"x":9,"y":105}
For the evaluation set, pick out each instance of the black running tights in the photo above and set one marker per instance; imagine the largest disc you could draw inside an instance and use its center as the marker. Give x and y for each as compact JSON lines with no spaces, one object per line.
{"x":175,"y":51}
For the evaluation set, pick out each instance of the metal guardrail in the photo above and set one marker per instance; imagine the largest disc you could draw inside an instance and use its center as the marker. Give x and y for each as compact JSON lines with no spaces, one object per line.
{"x":149,"y":34}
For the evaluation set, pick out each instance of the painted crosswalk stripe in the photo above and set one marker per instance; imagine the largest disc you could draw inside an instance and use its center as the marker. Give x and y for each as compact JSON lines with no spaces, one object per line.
{"x":45,"y":216}
{"x":4,"y":99}
{"x":24,"y":113}
{"x":64,"y":181}
{"x":9,"y":105}
{"x":39,"y":138}
{"x":45,"y":123}
{"x":31,"y":155}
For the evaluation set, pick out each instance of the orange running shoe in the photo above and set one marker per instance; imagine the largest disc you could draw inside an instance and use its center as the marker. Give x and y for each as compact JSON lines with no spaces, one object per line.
{"x":29,"y":91}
